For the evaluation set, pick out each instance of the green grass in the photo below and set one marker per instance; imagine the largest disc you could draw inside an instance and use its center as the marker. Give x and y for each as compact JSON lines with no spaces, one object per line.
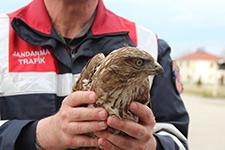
{"x":205,"y":90}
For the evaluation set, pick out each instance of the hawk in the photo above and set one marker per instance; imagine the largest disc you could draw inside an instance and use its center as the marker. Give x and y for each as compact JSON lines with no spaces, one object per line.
{"x":119,"y":79}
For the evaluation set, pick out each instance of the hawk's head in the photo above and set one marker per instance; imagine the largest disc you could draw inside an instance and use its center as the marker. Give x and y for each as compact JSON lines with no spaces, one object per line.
{"x":132,"y":63}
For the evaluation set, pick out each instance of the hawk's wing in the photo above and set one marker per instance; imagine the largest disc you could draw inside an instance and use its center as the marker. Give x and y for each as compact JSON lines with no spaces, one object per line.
{"x":143,"y":95}
{"x":83,"y":83}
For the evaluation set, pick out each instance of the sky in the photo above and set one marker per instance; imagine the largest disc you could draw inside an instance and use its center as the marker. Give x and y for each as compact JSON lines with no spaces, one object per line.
{"x":185,"y":24}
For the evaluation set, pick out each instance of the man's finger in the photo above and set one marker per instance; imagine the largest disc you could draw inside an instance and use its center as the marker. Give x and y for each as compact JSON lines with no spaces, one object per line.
{"x":85,"y":127}
{"x":80,"y":97}
{"x":121,"y":142}
{"x":87,"y":114}
{"x":131,"y":128}
{"x":83,"y":141}
{"x":104,"y":144}
{"x":144,"y":113}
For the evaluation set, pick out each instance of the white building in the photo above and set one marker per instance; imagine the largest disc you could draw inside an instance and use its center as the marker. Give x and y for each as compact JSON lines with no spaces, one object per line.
{"x":201,"y":67}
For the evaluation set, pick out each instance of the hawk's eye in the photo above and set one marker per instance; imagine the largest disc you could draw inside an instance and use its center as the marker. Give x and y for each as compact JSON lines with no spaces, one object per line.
{"x":139,"y":62}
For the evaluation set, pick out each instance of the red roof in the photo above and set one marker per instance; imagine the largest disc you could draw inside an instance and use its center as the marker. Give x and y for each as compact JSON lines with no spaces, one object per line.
{"x":200,"y":55}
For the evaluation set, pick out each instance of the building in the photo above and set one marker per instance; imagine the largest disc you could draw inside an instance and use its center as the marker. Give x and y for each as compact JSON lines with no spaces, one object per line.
{"x":201,"y":67}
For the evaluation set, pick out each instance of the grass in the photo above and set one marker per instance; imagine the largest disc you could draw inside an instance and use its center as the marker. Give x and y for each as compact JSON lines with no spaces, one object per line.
{"x":205,"y":90}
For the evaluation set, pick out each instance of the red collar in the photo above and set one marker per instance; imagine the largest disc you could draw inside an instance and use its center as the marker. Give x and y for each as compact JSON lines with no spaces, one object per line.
{"x":107,"y":22}
{"x":36,"y":16}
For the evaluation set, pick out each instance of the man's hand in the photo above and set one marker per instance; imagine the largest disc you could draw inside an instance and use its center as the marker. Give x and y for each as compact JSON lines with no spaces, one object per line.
{"x":140,"y":135}
{"x":67,"y":127}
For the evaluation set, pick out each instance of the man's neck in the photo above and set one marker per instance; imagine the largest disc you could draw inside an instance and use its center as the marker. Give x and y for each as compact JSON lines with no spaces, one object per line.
{"x":69,"y":16}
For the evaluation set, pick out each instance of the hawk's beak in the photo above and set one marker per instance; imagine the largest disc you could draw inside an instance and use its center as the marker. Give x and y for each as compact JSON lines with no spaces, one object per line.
{"x":154,"y":69}
{"x":158,"y":69}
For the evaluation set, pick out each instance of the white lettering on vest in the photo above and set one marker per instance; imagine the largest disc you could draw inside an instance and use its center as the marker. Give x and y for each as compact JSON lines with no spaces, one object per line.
{"x":27,"y":61}
{"x":31,"y":57}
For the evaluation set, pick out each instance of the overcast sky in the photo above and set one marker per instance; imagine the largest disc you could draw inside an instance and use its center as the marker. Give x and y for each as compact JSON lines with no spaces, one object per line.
{"x":184,"y":24}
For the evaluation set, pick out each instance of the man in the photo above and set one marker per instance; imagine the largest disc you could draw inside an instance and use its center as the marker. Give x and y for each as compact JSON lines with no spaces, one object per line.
{"x":43,"y":48}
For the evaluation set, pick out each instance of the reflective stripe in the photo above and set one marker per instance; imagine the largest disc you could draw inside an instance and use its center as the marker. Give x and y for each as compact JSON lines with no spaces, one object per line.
{"x":64,"y":85}
{"x":147,"y":40}
{"x":34,"y":83}
{"x":4,"y":41}
{"x":170,"y":130}
{"x":4,"y":46}
{"x":2,"y":122}
{"x":175,"y":139}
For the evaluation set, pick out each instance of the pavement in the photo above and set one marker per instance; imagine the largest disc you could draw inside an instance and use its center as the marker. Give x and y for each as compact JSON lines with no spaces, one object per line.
{"x":207,"y":122}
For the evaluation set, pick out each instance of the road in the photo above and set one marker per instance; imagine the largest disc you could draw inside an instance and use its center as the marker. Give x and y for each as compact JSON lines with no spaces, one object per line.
{"x":207,"y":123}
